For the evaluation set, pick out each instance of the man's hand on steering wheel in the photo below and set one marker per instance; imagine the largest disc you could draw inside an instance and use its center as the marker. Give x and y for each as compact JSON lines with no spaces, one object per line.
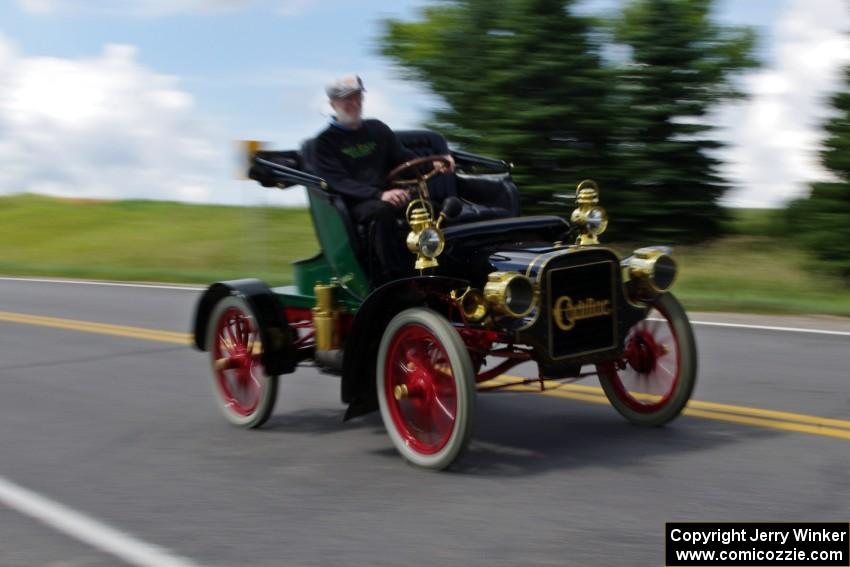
{"x":396,"y":196}
{"x":417,"y":186}
{"x":447,"y":165}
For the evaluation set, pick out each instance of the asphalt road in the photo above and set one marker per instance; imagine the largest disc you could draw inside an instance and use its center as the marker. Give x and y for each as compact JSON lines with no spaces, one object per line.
{"x":124,"y":431}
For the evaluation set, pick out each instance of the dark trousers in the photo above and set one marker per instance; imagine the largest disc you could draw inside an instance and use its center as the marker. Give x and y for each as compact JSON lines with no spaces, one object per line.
{"x":385,"y":240}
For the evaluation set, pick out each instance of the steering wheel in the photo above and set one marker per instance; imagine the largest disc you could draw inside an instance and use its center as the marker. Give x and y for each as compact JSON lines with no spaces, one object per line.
{"x":443,"y":165}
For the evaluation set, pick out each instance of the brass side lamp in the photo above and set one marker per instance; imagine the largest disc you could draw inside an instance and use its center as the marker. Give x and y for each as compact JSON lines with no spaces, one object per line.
{"x":591,"y":219}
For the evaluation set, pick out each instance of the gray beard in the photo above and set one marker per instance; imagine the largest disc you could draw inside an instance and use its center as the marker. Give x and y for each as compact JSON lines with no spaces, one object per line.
{"x":348,"y":119}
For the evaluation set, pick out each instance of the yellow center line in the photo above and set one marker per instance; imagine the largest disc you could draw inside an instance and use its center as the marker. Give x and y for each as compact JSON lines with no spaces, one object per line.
{"x":711,"y":406}
{"x":744,"y":415}
{"x":812,"y":425}
{"x":100,"y":328}
{"x":772,"y":423}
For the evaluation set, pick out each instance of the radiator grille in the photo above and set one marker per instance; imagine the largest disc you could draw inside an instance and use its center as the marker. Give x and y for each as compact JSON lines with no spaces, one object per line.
{"x":581,"y":307}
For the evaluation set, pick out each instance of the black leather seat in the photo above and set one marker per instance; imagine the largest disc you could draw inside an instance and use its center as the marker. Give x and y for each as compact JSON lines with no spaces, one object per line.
{"x":484,"y":197}
{"x":356,"y":234}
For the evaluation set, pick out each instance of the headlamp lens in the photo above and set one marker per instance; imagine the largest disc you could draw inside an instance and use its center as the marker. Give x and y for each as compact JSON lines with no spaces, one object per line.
{"x":430,"y":243}
{"x":597,"y":220}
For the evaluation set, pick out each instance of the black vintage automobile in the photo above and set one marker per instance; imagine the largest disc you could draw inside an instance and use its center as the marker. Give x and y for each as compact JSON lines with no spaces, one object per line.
{"x":488,"y":290}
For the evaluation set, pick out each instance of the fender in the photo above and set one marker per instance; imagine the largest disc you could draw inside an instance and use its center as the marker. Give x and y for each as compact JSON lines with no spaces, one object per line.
{"x":275,"y":333}
{"x":361,"y":348}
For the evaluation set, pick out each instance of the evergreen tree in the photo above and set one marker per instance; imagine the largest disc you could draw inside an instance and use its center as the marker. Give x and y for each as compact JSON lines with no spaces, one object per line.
{"x":823,"y":220}
{"x":524,"y":80}
{"x":681,"y":65}
{"x":521,"y":80}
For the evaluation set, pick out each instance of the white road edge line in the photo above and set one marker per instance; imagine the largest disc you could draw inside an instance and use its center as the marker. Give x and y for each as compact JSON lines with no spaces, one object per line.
{"x":769,"y":328}
{"x":187,"y":288}
{"x":107,"y":284}
{"x":87,"y":529}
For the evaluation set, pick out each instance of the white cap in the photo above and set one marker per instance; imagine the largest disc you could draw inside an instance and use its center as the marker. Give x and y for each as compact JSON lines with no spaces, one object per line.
{"x":343,"y":86}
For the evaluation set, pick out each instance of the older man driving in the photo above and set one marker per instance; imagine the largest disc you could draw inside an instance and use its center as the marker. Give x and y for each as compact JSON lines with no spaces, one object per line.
{"x":355,"y":155}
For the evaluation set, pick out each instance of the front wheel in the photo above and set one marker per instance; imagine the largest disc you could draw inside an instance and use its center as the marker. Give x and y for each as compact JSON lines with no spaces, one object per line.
{"x":426,"y":388}
{"x":245,"y":394}
{"x":654,"y":379}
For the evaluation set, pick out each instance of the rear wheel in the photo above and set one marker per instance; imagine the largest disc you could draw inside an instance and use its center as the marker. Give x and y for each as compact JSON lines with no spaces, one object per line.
{"x":426,"y":388}
{"x":653,"y":380}
{"x":245,"y":394}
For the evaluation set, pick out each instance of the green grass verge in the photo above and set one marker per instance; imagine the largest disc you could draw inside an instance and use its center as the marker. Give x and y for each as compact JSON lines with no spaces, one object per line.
{"x":155,"y":241}
{"x":150,"y":241}
{"x":756,"y":274}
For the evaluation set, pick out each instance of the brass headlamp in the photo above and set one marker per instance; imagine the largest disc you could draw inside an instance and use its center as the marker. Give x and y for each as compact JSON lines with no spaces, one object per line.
{"x":651,"y":270}
{"x":591,"y":219}
{"x":425,"y":238}
{"x":510,"y":294}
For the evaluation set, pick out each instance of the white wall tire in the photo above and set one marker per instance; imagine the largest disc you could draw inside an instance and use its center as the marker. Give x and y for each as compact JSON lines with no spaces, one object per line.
{"x":243,"y":391}
{"x":655,"y":379}
{"x":426,"y":388}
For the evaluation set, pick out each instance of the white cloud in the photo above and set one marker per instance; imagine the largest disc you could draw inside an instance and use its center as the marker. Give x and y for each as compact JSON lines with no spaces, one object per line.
{"x":156,"y":8}
{"x":776,"y":134}
{"x":108,"y":127}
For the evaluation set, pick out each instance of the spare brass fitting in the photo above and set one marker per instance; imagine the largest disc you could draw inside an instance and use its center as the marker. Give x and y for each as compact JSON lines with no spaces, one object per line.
{"x":325,"y":315}
{"x":471,"y":303}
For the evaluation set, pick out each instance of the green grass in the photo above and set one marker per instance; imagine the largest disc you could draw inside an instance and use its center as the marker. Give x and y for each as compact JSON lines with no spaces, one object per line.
{"x":150,"y":241}
{"x":756,"y":222}
{"x":757,"y":274}
{"x":750,"y":270}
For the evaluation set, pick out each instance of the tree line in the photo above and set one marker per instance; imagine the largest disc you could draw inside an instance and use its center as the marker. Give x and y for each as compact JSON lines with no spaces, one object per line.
{"x":624,"y":100}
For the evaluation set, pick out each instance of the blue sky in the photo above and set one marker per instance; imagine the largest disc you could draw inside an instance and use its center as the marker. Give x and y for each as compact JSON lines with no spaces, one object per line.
{"x":143,"y":98}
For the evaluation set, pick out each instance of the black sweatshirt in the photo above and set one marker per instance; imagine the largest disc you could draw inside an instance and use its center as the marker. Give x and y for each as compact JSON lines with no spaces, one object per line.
{"x":355,"y":162}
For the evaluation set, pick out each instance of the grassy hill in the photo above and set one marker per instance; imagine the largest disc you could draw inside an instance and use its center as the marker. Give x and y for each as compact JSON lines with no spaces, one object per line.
{"x":146,"y":240}
{"x":753,"y":269}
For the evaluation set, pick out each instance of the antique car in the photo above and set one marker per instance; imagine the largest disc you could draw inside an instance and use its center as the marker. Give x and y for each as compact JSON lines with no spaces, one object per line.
{"x":488,"y":289}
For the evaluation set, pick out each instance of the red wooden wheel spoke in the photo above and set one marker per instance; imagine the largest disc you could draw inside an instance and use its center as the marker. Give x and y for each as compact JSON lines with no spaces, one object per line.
{"x":247,"y":331}
{"x":402,"y":367}
{"x":225,"y":344}
{"x":444,"y":384}
{"x":665,"y":369}
{"x":434,"y":418}
{"x":232,"y":337}
{"x":442,"y":410}
{"x":234,"y":334}
{"x":416,"y":355}
{"x":236,"y":331}
{"x":652,"y":326}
